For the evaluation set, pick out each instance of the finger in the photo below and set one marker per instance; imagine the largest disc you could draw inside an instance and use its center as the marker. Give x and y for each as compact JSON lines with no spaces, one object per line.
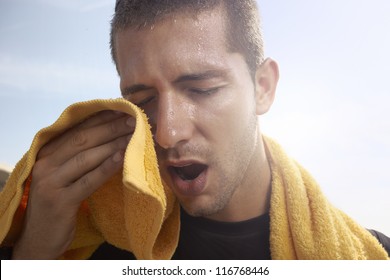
{"x":88,"y":160}
{"x":89,"y":183}
{"x":101,"y":117}
{"x":95,"y":120}
{"x":79,"y":140}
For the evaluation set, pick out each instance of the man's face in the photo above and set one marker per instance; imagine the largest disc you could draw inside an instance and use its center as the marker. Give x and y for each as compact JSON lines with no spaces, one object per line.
{"x":200,"y":101}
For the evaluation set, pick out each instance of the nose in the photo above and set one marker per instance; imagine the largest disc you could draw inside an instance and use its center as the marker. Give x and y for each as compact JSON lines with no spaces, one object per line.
{"x":173,"y":122}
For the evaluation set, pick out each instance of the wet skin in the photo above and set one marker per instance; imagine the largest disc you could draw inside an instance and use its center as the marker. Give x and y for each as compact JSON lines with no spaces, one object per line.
{"x":203,"y":106}
{"x":202,"y":103}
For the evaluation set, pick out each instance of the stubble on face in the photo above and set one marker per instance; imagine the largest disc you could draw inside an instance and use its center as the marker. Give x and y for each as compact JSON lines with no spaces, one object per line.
{"x":232,"y":169}
{"x":228,"y":169}
{"x":221,"y":128}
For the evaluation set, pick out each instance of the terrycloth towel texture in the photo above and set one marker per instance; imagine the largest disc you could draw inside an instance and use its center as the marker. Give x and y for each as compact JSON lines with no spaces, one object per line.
{"x":136,"y":212}
{"x":304,"y":224}
{"x":133,"y":211}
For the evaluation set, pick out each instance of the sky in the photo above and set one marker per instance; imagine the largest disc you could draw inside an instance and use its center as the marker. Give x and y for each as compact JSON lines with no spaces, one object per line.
{"x":331,"y":112}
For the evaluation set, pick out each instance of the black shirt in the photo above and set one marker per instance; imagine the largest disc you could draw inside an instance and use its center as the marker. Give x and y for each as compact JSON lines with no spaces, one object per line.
{"x":205,"y":239}
{"x":201,"y":238}
{"x":383,"y":239}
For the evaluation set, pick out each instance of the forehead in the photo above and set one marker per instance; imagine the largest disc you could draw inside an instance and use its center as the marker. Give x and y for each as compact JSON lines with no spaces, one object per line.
{"x":175,"y":39}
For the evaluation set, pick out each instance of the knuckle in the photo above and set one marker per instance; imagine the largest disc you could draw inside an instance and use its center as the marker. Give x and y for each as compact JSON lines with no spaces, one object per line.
{"x":42,"y":170}
{"x":112,"y":127}
{"x":104,"y":168}
{"x":85,"y":182}
{"x":78,"y":138}
{"x":80,"y":160}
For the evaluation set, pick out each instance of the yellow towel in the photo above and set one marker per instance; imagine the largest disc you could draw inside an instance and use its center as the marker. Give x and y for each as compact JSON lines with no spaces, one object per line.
{"x":135,"y":211}
{"x":304,"y":224}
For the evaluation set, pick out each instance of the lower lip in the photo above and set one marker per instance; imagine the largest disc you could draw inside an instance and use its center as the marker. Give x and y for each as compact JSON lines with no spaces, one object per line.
{"x":190,"y":188}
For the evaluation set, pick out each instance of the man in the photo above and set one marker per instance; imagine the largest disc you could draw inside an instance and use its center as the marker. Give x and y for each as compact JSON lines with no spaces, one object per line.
{"x":198,"y":71}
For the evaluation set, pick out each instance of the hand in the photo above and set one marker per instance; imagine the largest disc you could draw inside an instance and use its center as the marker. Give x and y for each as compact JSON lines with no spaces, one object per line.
{"x":67,"y":171}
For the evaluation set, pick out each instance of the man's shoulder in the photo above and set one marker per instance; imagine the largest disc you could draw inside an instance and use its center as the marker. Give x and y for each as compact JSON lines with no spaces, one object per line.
{"x":383,"y":239}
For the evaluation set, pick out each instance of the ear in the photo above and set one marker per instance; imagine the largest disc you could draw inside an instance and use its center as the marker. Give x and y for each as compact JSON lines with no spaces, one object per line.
{"x":266,"y":80}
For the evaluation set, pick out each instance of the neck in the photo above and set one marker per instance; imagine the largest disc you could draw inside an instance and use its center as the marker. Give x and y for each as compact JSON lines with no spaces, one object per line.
{"x":251,"y":199}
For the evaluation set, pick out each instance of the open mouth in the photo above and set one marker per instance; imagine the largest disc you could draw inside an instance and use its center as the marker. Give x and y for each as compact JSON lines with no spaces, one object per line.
{"x":189,"y":172}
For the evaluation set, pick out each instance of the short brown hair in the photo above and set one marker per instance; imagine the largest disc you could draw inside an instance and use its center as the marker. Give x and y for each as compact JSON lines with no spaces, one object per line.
{"x":243,"y":22}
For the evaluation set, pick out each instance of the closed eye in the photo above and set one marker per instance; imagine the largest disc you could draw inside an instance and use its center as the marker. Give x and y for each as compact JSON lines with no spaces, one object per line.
{"x":145,"y":101}
{"x":206,"y":91}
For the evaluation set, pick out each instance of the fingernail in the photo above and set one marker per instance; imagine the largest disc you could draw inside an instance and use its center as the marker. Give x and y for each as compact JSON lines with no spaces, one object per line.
{"x":118,"y":156}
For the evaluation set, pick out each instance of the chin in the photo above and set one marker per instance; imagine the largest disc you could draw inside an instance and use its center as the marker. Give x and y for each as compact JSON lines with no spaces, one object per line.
{"x":198,"y":208}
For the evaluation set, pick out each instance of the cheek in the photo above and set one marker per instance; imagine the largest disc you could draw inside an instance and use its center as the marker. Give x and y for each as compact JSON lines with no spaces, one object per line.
{"x":226,"y":117}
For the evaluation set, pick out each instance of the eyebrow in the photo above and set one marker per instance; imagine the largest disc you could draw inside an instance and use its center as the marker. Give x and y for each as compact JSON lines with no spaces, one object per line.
{"x":210,"y":74}
{"x":135,"y":88}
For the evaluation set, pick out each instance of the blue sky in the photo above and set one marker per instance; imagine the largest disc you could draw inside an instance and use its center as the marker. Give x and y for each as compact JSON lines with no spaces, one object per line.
{"x":331,"y":112}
